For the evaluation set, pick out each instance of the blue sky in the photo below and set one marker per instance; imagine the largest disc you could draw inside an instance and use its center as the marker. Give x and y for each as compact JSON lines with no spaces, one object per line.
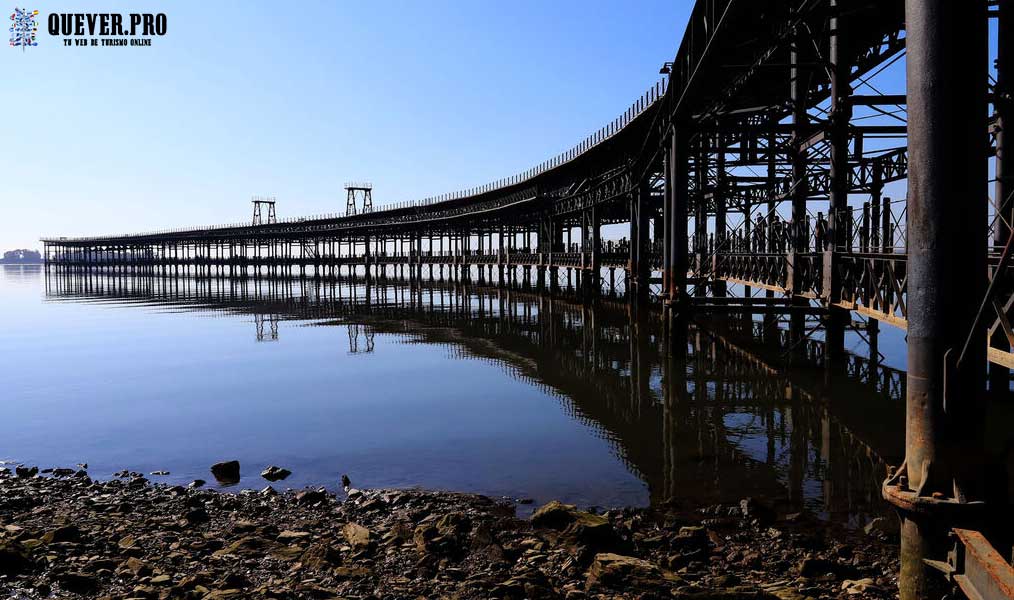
{"x":291,"y":100}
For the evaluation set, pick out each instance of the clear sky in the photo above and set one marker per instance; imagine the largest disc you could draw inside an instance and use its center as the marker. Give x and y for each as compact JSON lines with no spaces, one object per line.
{"x":293,"y":99}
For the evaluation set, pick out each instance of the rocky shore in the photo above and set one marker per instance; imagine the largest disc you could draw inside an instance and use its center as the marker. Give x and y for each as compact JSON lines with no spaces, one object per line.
{"x":65,"y":535}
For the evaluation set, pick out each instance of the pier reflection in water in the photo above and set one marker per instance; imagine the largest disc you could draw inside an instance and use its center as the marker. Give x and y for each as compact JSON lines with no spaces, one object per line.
{"x":742,"y":408}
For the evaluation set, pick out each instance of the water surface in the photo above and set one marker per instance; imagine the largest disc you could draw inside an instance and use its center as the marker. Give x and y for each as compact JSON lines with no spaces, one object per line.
{"x":502,"y":392}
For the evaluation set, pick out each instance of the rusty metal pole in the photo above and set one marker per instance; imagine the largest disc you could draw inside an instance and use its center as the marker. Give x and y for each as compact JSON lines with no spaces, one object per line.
{"x":666,"y":223}
{"x":838,"y":209}
{"x":798,"y":236}
{"x":643,"y":264}
{"x":947,"y":216}
{"x":999,"y":375}
{"x":721,"y":224}
{"x":701,"y":216}
{"x":679,"y":171}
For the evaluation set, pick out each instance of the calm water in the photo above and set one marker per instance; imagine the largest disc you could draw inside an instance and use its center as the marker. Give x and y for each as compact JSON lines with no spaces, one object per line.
{"x":475,"y":389}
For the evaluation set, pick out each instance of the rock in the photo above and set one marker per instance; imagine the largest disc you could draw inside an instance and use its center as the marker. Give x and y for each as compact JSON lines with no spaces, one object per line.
{"x":454,"y":524}
{"x":196,"y":483}
{"x":127,"y":542}
{"x":159,"y":473}
{"x":752,"y":508}
{"x":222,"y":594}
{"x":583,"y":534}
{"x":14,"y":558}
{"x":625,"y":572}
{"x":197,"y":516}
{"x":68,"y":533}
{"x":135,"y":566}
{"x":245,"y":546}
{"x":554,"y":515}
{"x":77,"y":582}
{"x":357,"y":536}
{"x":882,"y":526}
{"x":320,"y":557}
{"x":274,"y":473}
{"x":226,"y":472}
{"x":308,"y":497}
{"x":288,"y":536}
{"x":346,"y":483}
{"x":268,"y":491}
{"x":815,"y":567}
{"x":63,"y":472}
{"x":26,"y":472}
{"x":860,"y":586}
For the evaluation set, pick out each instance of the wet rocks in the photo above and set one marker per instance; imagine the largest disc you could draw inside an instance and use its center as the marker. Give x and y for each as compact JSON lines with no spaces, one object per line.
{"x":311,"y":497}
{"x":117,"y":539}
{"x":359,"y":537}
{"x":68,"y":533}
{"x":626,"y":572}
{"x":196,"y":483}
{"x":274,"y":473}
{"x":227,"y":472}
{"x":78,"y":582}
{"x":754,"y":508}
{"x":14,"y":558}
{"x":582,"y":533}
{"x":25,"y":472}
{"x":196,"y":516}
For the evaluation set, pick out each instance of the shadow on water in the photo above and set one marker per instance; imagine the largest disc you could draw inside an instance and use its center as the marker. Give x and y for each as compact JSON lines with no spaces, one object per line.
{"x":710,"y":411}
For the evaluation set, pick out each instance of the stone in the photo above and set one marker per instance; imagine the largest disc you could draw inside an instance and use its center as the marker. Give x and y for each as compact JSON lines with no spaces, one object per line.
{"x":26,"y":472}
{"x":288,"y":536}
{"x":68,"y":533}
{"x":815,"y":567}
{"x":226,"y":472}
{"x":320,"y":557}
{"x":245,"y":546}
{"x":883,"y":526}
{"x":582,"y":533}
{"x":623,"y":572}
{"x":274,"y":473}
{"x":196,"y":516}
{"x":14,"y":558}
{"x":135,"y":566}
{"x":308,"y":497}
{"x":196,"y":483}
{"x":159,"y":473}
{"x":752,"y":508}
{"x":554,"y":515}
{"x":77,"y":582}
{"x":860,"y":586}
{"x":357,"y":536}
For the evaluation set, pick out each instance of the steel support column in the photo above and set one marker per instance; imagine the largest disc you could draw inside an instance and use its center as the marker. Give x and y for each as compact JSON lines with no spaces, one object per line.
{"x":942,"y":473}
{"x":839,"y":216}
{"x":677,"y":177}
